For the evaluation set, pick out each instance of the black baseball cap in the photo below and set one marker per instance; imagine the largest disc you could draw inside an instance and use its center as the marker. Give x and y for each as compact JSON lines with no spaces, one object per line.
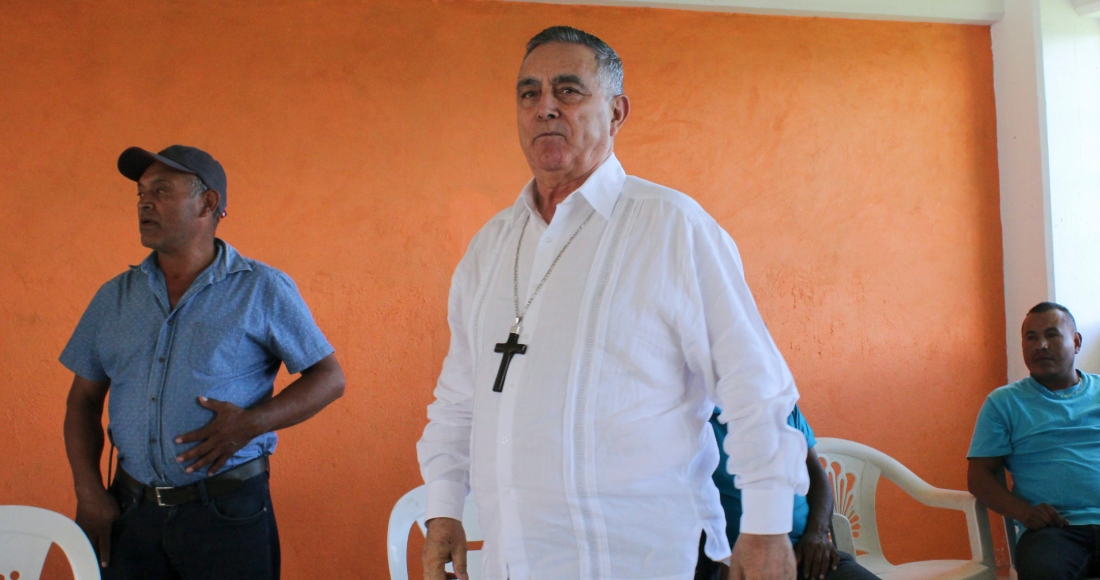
{"x":134,"y":161}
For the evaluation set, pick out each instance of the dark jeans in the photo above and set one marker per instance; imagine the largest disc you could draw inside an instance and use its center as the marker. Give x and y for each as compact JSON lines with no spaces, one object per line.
{"x":847,"y":569}
{"x":232,"y":536}
{"x":1058,"y":553}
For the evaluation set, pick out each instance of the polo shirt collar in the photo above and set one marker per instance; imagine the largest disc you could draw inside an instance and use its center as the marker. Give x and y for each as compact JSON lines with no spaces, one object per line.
{"x":601,"y":190}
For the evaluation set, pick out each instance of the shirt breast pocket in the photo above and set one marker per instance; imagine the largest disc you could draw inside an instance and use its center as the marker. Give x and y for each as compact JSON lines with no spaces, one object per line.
{"x":214,"y":349}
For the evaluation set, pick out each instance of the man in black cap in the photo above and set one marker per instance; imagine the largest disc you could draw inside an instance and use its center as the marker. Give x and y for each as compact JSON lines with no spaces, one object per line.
{"x":188,"y":344}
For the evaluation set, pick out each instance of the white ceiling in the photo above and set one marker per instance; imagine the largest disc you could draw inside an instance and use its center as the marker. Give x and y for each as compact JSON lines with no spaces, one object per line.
{"x":1090,"y":8}
{"x":983,"y":12}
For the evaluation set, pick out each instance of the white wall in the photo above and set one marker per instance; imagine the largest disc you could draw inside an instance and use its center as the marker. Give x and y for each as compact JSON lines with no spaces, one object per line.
{"x":1046,"y":74}
{"x":1071,"y":75}
{"x":1025,"y":201}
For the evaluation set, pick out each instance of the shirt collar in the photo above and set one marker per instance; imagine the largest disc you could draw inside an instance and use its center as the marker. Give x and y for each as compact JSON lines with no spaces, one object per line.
{"x":226,"y":261}
{"x":601,"y":190}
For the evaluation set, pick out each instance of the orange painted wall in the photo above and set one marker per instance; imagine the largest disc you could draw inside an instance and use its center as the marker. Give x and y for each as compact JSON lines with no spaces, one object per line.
{"x":366,"y":141}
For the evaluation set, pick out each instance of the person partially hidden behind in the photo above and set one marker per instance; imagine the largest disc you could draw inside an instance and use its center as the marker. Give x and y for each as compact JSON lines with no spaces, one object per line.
{"x":814,"y":550}
{"x":1045,"y":429}
{"x":188,"y":344}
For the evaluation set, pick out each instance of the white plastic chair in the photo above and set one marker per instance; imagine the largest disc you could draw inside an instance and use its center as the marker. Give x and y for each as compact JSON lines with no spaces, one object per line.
{"x":842,"y":534}
{"x":26,"y":534}
{"x":854,"y":470}
{"x":409,"y":510}
{"x":1012,"y":533}
{"x":1012,"y":530}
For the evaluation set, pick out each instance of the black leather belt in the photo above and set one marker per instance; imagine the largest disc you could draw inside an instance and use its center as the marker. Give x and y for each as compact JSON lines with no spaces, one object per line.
{"x":217,"y":485}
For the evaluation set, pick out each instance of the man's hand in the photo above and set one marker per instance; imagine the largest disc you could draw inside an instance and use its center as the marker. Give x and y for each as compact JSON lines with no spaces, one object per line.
{"x":96,"y":512}
{"x":446,"y":542}
{"x":1043,"y":516}
{"x":816,"y":555}
{"x":230,"y":430}
{"x":757,"y":557}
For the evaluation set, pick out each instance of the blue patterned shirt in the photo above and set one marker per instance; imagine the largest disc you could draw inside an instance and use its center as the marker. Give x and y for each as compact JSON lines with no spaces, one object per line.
{"x":225,"y":340}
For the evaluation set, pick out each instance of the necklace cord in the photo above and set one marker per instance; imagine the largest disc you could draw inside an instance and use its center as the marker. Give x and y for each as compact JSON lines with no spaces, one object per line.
{"x":515,"y":268}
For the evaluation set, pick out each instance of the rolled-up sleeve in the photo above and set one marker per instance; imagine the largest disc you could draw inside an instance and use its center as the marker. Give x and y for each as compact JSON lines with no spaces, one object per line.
{"x":728,"y":344}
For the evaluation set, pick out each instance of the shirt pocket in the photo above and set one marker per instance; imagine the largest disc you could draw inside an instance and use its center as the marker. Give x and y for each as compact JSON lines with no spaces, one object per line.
{"x":214,"y":349}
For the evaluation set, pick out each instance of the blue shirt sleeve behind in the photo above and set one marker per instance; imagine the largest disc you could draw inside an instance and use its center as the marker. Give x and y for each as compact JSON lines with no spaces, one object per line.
{"x":731,"y":496}
{"x":796,"y":420}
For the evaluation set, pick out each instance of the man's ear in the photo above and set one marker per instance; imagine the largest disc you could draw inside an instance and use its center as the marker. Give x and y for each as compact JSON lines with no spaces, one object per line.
{"x":210,"y":200}
{"x":620,"y":110}
{"x":1076,"y":342}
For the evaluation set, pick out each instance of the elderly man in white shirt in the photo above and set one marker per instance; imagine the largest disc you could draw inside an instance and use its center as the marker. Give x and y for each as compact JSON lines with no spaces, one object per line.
{"x":594,"y":325}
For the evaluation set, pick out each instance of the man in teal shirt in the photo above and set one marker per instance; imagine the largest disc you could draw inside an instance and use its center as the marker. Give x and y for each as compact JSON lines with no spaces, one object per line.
{"x":1045,"y":429}
{"x":817,"y":557}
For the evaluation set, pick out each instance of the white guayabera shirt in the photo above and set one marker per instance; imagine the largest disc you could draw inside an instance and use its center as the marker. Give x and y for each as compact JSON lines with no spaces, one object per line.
{"x":595,"y":460}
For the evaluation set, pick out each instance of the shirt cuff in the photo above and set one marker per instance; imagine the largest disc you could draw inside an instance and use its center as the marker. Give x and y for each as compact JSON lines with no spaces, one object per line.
{"x":767,"y":511}
{"x":446,"y":499}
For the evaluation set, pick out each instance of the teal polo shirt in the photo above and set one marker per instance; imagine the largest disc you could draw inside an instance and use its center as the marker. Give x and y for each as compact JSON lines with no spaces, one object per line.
{"x":1050,"y":442}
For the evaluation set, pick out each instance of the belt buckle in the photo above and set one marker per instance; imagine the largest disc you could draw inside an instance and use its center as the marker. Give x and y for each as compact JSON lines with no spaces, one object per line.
{"x":160,"y":502}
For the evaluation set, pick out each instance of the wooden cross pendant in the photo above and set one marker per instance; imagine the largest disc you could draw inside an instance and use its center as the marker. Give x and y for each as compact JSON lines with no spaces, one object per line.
{"x":507,"y":349}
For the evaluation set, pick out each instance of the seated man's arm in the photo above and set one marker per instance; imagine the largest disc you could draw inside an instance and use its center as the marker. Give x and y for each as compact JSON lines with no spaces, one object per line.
{"x":815,"y":552}
{"x":984,"y":483}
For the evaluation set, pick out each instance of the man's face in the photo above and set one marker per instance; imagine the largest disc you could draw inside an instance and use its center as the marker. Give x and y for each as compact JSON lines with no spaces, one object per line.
{"x":169,"y":215}
{"x":1050,"y":343}
{"x":566,"y":120}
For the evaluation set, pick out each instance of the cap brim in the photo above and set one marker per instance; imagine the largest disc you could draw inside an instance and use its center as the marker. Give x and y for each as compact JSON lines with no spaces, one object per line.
{"x":134,"y":161}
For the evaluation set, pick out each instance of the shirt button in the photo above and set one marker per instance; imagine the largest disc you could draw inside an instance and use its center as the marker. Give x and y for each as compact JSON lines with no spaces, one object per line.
{"x":161,"y":359}
{"x":153,"y":440}
{"x":503,"y":439}
{"x":153,"y":399}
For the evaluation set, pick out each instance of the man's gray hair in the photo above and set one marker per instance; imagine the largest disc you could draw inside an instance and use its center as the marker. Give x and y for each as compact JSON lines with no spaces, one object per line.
{"x":609,"y":67}
{"x":199,"y":187}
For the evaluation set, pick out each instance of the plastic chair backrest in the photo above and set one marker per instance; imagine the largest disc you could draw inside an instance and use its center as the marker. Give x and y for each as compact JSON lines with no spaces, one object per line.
{"x":1012,"y":527}
{"x":26,"y":534}
{"x":1012,"y":532}
{"x":409,"y":510}
{"x":842,"y":534}
{"x":854,"y":481}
